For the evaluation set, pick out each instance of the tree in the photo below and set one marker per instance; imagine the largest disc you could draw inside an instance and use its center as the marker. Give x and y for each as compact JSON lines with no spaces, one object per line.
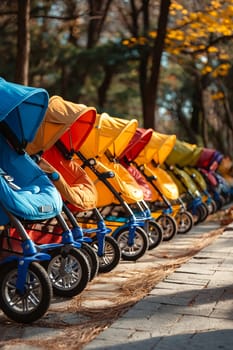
{"x":23,"y":42}
{"x":150,"y":45}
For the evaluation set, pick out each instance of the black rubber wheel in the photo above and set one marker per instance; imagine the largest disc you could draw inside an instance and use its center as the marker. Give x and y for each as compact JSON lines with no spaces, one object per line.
{"x":154,"y":232}
{"x":92,"y":258}
{"x":34,"y":302}
{"x":112,"y":254}
{"x":168,"y":223}
{"x":212,"y":207}
{"x":204,"y":212}
{"x":69,"y":271}
{"x":137,"y":249}
{"x":220,"y":202}
{"x":197,"y":215}
{"x":184,"y":221}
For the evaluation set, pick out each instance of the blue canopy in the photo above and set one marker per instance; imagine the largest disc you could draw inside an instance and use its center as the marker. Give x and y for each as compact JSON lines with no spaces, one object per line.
{"x":33,"y":196}
{"x":22,"y":108}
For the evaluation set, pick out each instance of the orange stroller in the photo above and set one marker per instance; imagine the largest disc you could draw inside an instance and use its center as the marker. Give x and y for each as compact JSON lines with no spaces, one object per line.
{"x":63,"y":118}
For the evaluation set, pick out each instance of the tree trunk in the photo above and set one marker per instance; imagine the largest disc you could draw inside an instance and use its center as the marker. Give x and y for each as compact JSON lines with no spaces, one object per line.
{"x":149,"y":82}
{"x":23,"y":42}
{"x":103,"y":88}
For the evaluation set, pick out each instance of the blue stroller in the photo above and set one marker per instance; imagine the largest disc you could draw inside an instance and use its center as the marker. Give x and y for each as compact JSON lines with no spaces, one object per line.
{"x":28,"y":196}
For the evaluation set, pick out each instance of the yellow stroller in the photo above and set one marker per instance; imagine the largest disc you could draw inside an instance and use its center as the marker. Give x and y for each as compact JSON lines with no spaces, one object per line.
{"x":171,"y":215}
{"x":181,"y":160}
{"x":63,"y":118}
{"x":117,"y":189}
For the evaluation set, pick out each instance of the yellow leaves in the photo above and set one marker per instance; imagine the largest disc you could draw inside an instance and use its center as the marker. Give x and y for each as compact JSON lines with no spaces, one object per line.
{"x":142,"y":40}
{"x":213,"y":13}
{"x":212,"y":49}
{"x":175,"y":6}
{"x":215,"y":4}
{"x":221,"y":70}
{"x":152,"y":34}
{"x":217,"y":96}
{"x":224,"y":56}
{"x":135,"y":41}
{"x":184,"y":12}
{"x":207,"y":69}
{"x":126,"y":42}
{"x":176,"y":35}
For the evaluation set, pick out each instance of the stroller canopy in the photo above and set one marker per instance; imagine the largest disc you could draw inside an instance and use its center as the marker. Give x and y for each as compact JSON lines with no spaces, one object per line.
{"x":109,"y":133}
{"x":184,"y":154}
{"x":69,"y":121}
{"x":22,"y":110}
{"x":158,"y":148}
{"x":137,"y":144}
{"x":209,"y":159}
{"x":29,"y":194}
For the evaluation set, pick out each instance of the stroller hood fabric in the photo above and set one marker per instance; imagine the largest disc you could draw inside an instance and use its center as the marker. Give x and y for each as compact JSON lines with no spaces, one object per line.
{"x":209,"y":159}
{"x":22,"y":109}
{"x":137,"y":144}
{"x":59,"y":122}
{"x":158,"y":148}
{"x":109,"y":133}
{"x":70,"y":123}
{"x":184,"y":154}
{"x":25,"y":189}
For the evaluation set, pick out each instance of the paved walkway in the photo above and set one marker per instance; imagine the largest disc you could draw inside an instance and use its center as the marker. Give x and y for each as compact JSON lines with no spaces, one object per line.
{"x":188,"y":303}
{"x":192,"y":308}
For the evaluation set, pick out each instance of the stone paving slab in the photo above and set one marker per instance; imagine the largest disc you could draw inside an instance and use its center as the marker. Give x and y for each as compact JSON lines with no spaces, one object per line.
{"x":151,"y":320}
{"x":192,"y":308}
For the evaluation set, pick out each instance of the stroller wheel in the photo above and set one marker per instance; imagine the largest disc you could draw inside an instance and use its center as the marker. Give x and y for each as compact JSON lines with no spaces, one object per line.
{"x":92,"y":258}
{"x":197,"y":214}
{"x":204,"y":212}
{"x":112,"y":254}
{"x":168,"y":223}
{"x":200,"y":214}
{"x":132,"y":252}
{"x":69,"y":271}
{"x":212,"y":207}
{"x":34,"y":302}
{"x":184,"y":221}
{"x":154,"y":232}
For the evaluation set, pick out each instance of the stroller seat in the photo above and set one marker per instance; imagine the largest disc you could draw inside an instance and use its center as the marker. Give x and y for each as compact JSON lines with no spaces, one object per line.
{"x":73,"y":183}
{"x":25,"y":189}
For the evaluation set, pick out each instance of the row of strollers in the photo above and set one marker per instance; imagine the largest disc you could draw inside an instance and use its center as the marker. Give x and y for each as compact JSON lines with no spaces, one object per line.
{"x":79,"y":191}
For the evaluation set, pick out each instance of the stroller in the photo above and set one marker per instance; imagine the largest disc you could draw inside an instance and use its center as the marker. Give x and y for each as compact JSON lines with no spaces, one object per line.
{"x":225,"y":170}
{"x":62,"y":120}
{"x":67,"y":268}
{"x":26,"y":194}
{"x":184,"y":154}
{"x":202,"y":186}
{"x":207,"y":164}
{"x":111,"y":159}
{"x":148,"y":158}
{"x":116,"y":188}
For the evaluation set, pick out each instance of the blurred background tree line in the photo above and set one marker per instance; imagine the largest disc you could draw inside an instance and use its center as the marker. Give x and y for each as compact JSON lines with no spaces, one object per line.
{"x":167,"y":63}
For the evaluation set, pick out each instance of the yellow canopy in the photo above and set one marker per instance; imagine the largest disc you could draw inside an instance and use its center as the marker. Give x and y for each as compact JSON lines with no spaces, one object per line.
{"x":184,"y":153}
{"x":60,"y":116}
{"x":158,"y":148}
{"x":108,"y":133}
